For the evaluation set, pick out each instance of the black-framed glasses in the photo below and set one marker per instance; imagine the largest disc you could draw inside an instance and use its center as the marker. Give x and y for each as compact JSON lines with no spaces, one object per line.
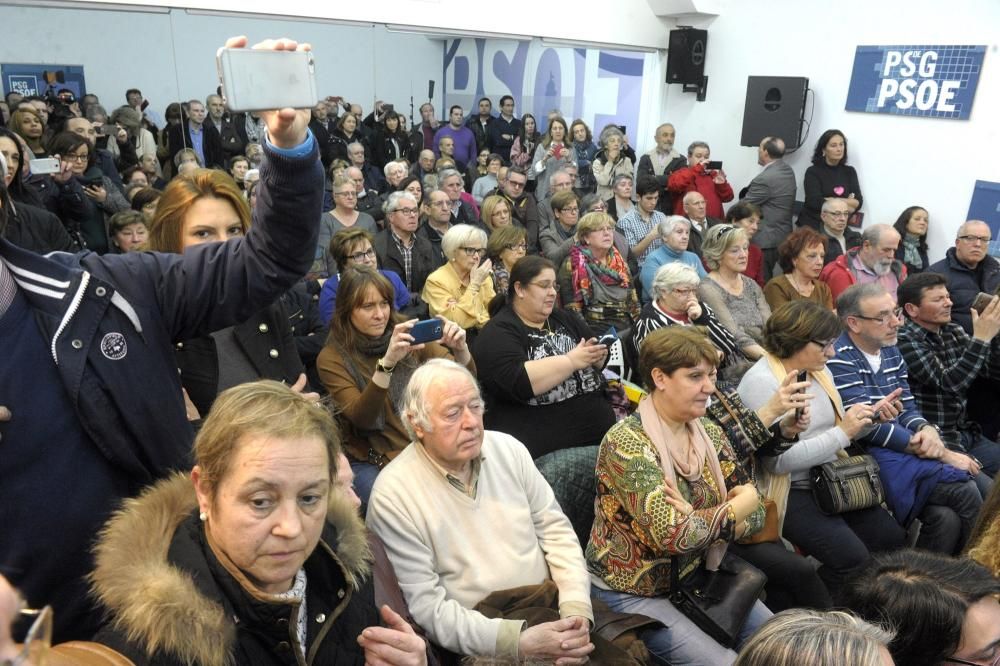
{"x":884,"y":317}
{"x":824,"y":344}
{"x":523,"y":247}
{"x":474,"y":251}
{"x":361,"y":256}
{"x":77,"y":158}
{"x":975,"y":239}
{"x":406,"y":211}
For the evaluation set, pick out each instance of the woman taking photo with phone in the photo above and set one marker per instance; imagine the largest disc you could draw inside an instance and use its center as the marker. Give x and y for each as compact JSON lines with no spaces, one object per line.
{"x":552,"y":154}
{"x":366,"y":363}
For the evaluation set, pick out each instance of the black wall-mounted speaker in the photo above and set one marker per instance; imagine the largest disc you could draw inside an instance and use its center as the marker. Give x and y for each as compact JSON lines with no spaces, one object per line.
{"x":775,"y":107}
{"x":686,"y":55}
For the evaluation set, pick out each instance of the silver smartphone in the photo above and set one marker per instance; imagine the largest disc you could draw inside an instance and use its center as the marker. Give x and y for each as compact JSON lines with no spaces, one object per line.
{"x":261,"y":80}
{"x":44,"y":165}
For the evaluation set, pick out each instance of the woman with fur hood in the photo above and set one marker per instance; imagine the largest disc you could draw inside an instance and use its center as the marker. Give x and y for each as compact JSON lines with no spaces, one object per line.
{"x":264,"y":561}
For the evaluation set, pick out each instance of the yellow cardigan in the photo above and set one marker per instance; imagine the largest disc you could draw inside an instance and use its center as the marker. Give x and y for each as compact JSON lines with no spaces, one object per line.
{"x":445,"y":295}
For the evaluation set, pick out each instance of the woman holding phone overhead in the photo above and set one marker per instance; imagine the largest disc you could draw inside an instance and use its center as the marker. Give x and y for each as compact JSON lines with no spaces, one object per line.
{"x":368,"y":359}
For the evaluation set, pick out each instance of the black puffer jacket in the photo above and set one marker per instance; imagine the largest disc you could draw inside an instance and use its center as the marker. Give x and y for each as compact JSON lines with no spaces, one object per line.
{"x":169,"y":595}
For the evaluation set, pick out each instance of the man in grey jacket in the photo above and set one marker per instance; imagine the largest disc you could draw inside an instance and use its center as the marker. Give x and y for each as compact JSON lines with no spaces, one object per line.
{"x":773,"y":189}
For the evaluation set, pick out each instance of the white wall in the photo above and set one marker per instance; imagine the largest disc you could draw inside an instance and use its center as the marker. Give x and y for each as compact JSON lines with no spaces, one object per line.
{"x":621,"y":22}
{"x":901,"y":161}
{"x":171,"y":56}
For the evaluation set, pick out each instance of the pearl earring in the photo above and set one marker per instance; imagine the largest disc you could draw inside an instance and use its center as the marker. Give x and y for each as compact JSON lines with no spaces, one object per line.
{"x":203,"y":516}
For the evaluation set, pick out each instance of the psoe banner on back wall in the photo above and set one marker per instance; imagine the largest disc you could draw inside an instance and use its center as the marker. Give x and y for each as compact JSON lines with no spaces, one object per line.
{"x":30,"y":79}
{"x":916,"y":80}
{"x":601,"y":87}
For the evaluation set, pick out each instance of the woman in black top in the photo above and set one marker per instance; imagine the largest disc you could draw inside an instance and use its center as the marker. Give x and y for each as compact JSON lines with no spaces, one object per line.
{"x":912,"y":226}
{"x":829,"y":176}
{"x":542,"y":374}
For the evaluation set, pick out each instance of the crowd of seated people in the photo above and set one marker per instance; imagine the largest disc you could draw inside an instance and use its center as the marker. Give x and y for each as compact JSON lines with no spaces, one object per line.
{"x":259,"y":279}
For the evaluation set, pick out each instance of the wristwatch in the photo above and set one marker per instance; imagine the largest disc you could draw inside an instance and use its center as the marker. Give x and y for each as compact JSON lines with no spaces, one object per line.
{"x":381,"y":367}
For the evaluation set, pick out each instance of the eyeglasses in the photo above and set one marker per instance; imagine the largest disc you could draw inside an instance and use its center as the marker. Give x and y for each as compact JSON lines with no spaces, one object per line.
{"x":474,"y":251}
{"x":76,"y":158}
{"x":883,"y":317}
{"x":361,"y":256}
{"x":37,"y":641}
{"x":975,"y":239}
{"x":824,"y":344}
{"x":598,"y":207}
{"x":570,"y":210}
{"x":523,"y":247}
{"x":544,"y":286}
{"x":406,"y":211}
{"x":683,"y":291}
{"x":837,"y":213}
{"x":514,"y":183}
{"x":350,"y":195}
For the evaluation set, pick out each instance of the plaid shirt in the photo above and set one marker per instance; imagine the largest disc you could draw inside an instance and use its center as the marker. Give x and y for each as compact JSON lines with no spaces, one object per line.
{"x":942,"y":367}
{"x":857,"y":383}
{"x":634,"y":228}
{"x":406,"y":251}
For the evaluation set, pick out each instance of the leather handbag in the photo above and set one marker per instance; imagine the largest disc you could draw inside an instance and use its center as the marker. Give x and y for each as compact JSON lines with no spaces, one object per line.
{"x":769,"y":532}
{"x":718,"y":602}
{"x":847,"y":484}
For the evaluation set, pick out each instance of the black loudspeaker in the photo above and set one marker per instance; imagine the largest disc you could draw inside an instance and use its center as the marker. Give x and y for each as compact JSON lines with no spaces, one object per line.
{"x":686,"y":56}
{"x":775,"y":106}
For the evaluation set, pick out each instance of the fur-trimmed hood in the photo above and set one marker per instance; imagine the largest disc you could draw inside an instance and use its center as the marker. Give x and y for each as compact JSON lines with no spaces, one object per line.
{"x":155,"y":604}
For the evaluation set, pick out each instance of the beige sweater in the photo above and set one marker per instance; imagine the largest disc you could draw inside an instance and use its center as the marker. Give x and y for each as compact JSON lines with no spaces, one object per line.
{"x":450,"y":551}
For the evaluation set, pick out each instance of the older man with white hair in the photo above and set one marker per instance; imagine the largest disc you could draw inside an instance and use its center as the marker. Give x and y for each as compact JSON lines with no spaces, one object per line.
{"x":465,"y":513}
{"x":874,"y":261}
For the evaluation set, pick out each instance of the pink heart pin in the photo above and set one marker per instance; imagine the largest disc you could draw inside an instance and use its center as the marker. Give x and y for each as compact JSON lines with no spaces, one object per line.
{"x":839,"y":190}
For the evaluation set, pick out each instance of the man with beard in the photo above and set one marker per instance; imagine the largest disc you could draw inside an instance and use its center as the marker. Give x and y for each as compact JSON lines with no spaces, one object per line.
{"x":661,"y":161}
{"x":874,"y":261}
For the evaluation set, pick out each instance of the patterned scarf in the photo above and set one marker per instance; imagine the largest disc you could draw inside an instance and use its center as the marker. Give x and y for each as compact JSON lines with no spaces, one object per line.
{"x":585,"y":269}
{"x":911,"y":250}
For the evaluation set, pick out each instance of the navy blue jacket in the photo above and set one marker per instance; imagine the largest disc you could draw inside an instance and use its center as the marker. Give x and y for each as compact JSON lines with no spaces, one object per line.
{"x":153,"y":300}
{"x":964,"y":284}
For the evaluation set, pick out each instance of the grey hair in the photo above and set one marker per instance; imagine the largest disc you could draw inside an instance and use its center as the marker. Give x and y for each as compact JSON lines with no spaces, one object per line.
{"x":818,"y":638}
{"x":391,"y":166}
{"x":964,"y":228}
{"x":828,"y":204}
{"x":690,"y":195}
{"x":666,"y":227}
{"x":95,"y":110}
{"x":415,"y":407}
{"x":697,"y":144}
{"x":849,"y":301}
{"x":460,"y":235}
{"x":873,"y":234}
{"x":392,"y":203}
{"x":561,"y":171}
{"x":445,"y":174}
{"x":610,"y":132}
{"x":718,"y":240}
{"x":672,"y":275}
{"x":619,"y":178}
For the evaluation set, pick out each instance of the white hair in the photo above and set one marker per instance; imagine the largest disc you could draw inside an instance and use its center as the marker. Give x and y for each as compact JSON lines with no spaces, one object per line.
{"x":459,"y":235}
{"x":666,"y":227}
{"x":415,"y":408}
{"x":672,"y":275}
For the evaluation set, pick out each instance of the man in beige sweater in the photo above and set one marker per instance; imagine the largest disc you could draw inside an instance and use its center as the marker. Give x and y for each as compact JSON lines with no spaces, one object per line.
{"x":464,"y":513}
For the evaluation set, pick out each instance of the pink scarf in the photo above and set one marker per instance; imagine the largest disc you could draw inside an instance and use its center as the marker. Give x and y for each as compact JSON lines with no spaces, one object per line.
{"x":689,"y":464}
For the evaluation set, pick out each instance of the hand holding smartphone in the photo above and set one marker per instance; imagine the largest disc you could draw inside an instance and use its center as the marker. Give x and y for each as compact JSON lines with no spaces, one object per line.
{"x":428,"y":330}
{"x":803,"y":376}
{"x":264,"y":80}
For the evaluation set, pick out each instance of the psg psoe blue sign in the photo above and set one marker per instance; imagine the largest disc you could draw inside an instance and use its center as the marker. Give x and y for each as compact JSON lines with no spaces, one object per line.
{"x":918,"y":80}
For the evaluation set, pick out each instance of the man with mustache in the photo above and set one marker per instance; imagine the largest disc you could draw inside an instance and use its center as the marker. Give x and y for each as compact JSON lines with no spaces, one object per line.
{"x":874,"y":261}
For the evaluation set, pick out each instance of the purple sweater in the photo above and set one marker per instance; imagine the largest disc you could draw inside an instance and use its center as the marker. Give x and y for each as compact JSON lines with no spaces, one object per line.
{"x":465,"y":143}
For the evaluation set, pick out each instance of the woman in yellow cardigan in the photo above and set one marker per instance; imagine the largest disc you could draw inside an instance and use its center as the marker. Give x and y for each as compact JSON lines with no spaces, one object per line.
{"x":462,"y":289}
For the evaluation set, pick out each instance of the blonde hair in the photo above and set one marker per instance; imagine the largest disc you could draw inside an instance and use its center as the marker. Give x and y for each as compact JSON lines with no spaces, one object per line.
{"x":263,"y":408}
{"x":817,"y":638}
{"x":591,"y":222}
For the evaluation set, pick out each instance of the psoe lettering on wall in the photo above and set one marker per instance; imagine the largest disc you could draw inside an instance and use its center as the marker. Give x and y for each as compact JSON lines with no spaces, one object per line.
{"x":919,"y":80}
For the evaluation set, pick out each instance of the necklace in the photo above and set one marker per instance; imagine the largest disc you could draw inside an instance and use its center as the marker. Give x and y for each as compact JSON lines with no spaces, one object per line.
{"x":805,"y":291}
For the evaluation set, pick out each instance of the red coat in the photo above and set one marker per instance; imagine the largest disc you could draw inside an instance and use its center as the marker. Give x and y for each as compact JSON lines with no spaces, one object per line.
{"x":694,"y":179}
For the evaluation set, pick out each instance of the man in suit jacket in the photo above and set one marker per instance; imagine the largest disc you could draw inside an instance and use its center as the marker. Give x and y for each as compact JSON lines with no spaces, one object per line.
{"x":198,"y":135}
{"x":773,"y":189}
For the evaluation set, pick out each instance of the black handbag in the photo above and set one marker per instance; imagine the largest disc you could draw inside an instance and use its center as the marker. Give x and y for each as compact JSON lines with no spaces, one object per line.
{"x":718,"y":602}
{"x":847,"y":484}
